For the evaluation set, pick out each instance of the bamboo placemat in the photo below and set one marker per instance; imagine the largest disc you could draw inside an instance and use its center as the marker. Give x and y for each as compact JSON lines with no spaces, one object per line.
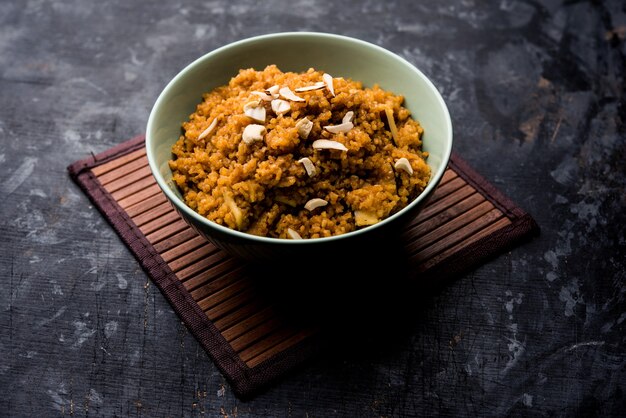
{"x":225,"y":303}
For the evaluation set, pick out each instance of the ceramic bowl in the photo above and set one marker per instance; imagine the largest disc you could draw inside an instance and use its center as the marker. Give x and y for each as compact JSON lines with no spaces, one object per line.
{"x":338,"y":55}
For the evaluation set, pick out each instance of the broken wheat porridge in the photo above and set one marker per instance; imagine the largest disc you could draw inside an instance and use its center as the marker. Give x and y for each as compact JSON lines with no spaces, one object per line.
{"x":299,"y":155}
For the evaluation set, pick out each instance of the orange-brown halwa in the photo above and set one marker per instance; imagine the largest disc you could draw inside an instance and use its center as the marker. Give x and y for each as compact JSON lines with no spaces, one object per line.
{"x":299,"y":155}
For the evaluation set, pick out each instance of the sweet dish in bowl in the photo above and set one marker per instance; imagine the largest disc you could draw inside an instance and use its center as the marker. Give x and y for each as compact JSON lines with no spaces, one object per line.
{"x":295,"y":144}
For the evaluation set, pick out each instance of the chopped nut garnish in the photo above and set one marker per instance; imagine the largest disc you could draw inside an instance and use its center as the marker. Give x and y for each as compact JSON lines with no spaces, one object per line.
{"x":208,"y":130}
{"x":253,"y":133}
{"x":255,"y":110}
{"x":235,"y":210}
{"x":250,"y":104}
{"x":404,"y":164}
{"x":316,"y":86}
{"x":263,"y":95}
{"x":273,"y":91}
{"x":362,"y":218}
{"x":293,"y":234}
{"x":342,"y":128}
{"x":308,"y":166}
{"x":280,"y":107}
{"x":328,"y":79}
{"x":348,"y":117}
{"x":392,"y":125}
{"x":328,"y":144}
{"x":289,"y":95}
{"x":315,"y":203}
{"x":304,"y":127}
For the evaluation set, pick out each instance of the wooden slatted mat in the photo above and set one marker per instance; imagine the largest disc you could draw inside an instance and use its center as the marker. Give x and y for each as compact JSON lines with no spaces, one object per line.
{"x":251,"y":340}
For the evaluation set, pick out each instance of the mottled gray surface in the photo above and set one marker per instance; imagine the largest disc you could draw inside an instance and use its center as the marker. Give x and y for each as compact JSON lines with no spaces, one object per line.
{"x":536,"y":92}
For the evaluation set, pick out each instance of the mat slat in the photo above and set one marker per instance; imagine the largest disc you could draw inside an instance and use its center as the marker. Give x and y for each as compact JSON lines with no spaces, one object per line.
{"x":268,"y":343}
{"x":102,"y":169}
{"x":223,"y":296}
{"x":448,"y":175}
{"x":447,"y":222}
{"x":186,"y":247}
{"x":140,"y":196}
{"x":254,"y":334}
{"x":132,"y":188}
{"x":175,"y":240}
{"x":242,"y":326}
{"x":167,"y":231}
{"x":449,"y":228}
{"x":224,"y":267}
{"x":253,"y":361}
{"x":442,"y":204}
{"x":215,"y":261}
{"x":443,"y":255}
{"x":129,"y":173}
{"x":146,"y":205}
{"x":469,"y":229}
{"x":160,"y":222}
{"x":209,"y":282}
{"x":192,"y":257}
{"x":245,"y":295}
{"x":445,"y":189}
{"x":156,"y":213}
{"x":233,"y":318}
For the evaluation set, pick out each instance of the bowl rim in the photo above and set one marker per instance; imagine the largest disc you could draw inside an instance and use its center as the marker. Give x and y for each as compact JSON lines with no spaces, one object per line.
{"x":182,"y":206}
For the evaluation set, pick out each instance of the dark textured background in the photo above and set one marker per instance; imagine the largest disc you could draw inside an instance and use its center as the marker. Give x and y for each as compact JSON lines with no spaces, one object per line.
{"x":536,"y":92}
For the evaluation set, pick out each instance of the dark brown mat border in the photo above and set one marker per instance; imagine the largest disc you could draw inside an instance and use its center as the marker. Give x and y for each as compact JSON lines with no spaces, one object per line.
{"x":247,"y":381}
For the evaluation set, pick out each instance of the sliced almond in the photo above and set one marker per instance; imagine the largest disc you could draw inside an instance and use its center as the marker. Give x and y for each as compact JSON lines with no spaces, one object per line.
{"x":328,"y":144}
{"x":289,"y":95}
{"x":316,"y":86}
{"x":255,"y":110}
{"x":363,"y":218}
{"x":252,"y":103}
{"x":293,"y":234}
{"x":315,"y":203}
{"x":263,"y":95}
{"x":392,"y":125}
{"x":404,"y":164}
{"x":253,"y":133}
{"x":304,"y":127}
{"x":280,"y":107}
{"x":208,"y":130}
{"x":308,"y":166}
{"x":234,"y":209}
{"x":328,"y":79}
{"x":273,"y":90}
{"x":342,"y":128}
{"x":348,"y":117}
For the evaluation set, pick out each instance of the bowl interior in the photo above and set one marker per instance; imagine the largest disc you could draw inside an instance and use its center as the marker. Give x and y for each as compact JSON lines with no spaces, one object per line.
{"x":297,"y":51}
